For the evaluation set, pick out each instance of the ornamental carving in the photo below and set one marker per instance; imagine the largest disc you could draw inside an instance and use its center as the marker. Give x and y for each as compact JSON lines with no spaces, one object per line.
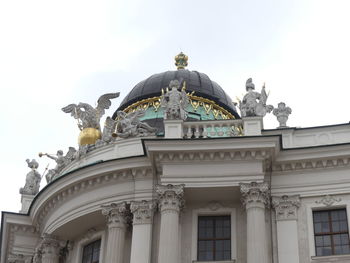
{"x":48,"y":248}
{"x":255,"y":194}
{"x":19,"y":258}
{"x":142,"y":211}
{"x":282,"y":112}
{"x":286,"y":207}
{"x":170,"y":197}
{"x":117,"y":214}
{"x":328,"y":200}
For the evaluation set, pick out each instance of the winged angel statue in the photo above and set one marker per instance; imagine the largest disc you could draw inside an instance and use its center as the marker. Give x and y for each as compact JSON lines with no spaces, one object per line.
{"x":88,"y":116}
{"x":129,"y":125}
{"x":174,"y":101}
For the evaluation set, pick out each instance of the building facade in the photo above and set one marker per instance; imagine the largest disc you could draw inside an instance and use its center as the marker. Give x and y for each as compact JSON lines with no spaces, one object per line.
{"x":188,"y":179}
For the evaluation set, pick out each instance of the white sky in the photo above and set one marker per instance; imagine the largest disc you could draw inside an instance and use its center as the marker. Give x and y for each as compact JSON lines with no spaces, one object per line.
{"x":53,"y":53}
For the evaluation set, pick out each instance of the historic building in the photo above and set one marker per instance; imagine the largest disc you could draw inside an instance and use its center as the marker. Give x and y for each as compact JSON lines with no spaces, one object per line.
{"x":180,"y":174}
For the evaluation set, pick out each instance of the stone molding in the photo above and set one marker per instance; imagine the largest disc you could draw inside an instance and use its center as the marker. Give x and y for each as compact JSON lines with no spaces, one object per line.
{"x":255,"y":194}
{"x":170,"y":197}
{"x":286,"y":206}
{"x":328,"y":200}
{"x":117,"y":215}
{"x":142,"y":211}
{"x":74,"y":189}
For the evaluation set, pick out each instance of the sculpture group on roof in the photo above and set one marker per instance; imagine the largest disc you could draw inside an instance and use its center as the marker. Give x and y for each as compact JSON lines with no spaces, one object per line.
{"x":174,"y":101}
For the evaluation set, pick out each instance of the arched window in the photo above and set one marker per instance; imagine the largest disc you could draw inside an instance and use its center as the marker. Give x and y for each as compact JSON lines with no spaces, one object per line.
{"x":91,"y":252}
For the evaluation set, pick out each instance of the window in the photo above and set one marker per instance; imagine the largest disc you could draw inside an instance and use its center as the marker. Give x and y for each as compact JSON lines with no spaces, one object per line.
{"x":331,"y":232}
{"x":91,"y":252}
{"x":214,"y":238}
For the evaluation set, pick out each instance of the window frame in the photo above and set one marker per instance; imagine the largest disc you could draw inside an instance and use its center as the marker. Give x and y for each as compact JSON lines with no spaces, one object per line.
{"x":87,"y":239}
{"x":89,"y":244}
{"x":311,"y":206}
{"x":218,"y":211}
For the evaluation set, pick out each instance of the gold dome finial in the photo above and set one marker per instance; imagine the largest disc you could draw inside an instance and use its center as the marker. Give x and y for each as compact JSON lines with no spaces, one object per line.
{"x":181,"y":61}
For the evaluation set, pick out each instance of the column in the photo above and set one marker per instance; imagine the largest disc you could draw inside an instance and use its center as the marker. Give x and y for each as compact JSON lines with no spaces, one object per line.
{"x":49,"y":249}
{"x":287,"y":229}
{"x":142,"y":231}
{"x":117,"y":222}
{"x":255,"y":197}
{"x":170,"y":203}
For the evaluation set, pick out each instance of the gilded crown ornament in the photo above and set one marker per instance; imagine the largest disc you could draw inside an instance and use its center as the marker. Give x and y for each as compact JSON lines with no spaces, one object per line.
{"x":181,"y":61}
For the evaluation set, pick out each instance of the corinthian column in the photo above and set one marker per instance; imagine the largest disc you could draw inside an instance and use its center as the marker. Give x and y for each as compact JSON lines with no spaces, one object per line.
{"x":50,"y":249}
{"x":287,"y":230}
{"x":117,"y":221}
{"x":255,"y":198}
{"x":142,"y":231}
{"x":170,"y":203}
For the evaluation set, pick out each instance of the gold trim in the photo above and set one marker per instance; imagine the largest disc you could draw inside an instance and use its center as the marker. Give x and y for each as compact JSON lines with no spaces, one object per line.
{"x":196,"y":101}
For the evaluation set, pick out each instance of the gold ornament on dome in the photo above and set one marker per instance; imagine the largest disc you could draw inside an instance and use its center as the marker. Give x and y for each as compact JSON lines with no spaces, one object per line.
{"x":181,"y":61}
{"x":197,"y":102}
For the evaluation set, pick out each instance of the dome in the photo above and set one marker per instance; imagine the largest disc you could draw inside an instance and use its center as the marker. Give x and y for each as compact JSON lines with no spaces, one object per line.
{"x":198,"y":84}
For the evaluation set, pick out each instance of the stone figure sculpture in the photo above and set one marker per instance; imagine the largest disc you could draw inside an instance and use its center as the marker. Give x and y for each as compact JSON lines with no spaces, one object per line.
{"x":282,"y":112}
{"x":254,"y":103}
{"x":61,"y":161}
{"x":129,"y":125}
{"x":88,"y":116}
{"x":33,"y":179}
{"x":107,"y":132}
{"x":174,"y":102}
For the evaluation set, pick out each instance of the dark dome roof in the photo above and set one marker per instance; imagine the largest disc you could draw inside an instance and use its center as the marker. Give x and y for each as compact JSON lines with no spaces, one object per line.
{"x":195,"y":81}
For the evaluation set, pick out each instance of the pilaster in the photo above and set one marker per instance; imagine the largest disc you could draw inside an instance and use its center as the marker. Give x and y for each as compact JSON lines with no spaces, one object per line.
{"x":287,"y":229}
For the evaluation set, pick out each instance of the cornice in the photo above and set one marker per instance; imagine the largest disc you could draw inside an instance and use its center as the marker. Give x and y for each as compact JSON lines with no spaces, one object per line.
{"x":56,"y":199}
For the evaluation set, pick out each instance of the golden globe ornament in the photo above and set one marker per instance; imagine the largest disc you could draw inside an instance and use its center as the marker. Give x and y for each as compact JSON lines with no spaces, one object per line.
{"x":89,"y":136}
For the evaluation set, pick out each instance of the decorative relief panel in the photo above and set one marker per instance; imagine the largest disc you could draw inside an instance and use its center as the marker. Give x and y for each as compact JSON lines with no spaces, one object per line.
{"x":328,"y":200}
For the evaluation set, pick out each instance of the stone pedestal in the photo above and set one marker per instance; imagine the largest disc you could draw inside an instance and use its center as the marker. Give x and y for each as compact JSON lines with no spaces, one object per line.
{"x":142,"y":231}
{"x":255,"y":198}
{"x":26,"y":201}
{"x":252,"y":126}
{"x":287,"y":230}
{"x":50,"y":249}
{"x":173,"y":129}
{"x":117,"y":222}
{"x":170,"y":203}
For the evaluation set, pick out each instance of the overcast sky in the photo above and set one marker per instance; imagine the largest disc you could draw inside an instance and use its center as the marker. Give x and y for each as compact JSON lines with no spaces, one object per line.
{"x":53,"y":53}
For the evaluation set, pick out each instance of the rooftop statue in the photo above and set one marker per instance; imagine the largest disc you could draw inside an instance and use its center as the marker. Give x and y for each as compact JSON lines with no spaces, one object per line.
{"x":88,"y":116}
{"x":129,"y":125}
{"x":33,"y":179}
{"x":174,"y":101}
{"x":61,"y":161}
{"x":254,"y":103}
{"x":282,"y":112}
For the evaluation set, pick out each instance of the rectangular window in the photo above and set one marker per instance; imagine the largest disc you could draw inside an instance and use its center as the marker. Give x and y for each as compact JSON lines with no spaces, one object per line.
{"x":91,"y":252}
{"x":214,"y":238}
{"x":331,"y":232}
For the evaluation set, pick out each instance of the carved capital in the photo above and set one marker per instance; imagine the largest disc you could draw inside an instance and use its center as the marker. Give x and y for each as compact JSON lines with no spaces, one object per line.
{"x":170,"y":197}
{"x":50,"y":246}
{"x":117,"y":215}
{"x":255,"y":194}
{"x":286,"y":206}
{"x":142,"y":211}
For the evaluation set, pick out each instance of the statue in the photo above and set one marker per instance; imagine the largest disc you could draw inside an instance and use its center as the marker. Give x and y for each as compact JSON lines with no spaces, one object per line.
{"x":107,"y":132}
{"x":61,"y":161}
{"x":282,"y":112}
{"x":254,"y":103}
{"x":33,"y":179}
{"x":174,"y":102}
{"x":129,"y":125}
{"x":88,"y":116}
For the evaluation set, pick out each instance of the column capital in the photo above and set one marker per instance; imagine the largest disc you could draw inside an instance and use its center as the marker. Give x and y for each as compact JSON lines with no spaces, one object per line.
{"x":255,"y":194}
{"x":117,"y":214}
{"x":170,"y":197}
{"x":286,"y":206}
{"x":49,"y":246}
{"x":142,"y":211}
